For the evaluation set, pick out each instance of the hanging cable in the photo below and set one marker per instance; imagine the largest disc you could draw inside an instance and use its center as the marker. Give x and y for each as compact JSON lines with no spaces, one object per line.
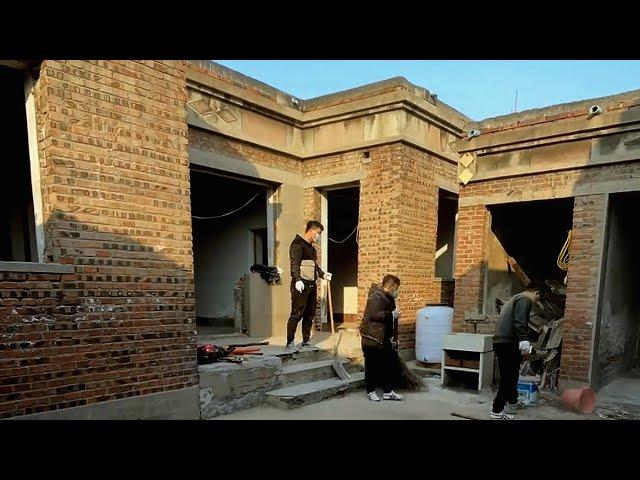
{"x":564,"y":256}
{"x":228,"y":213}
{"x":348,"y":237}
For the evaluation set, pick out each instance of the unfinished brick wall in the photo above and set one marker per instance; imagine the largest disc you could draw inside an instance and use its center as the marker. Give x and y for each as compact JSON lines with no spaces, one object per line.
{"x":398,"y":222}
{"x":473,"y":224}
{"x":545,"y":183}
{"x":582,"y":286}
{"x":442,"y":291}
{"x":112,"y":139}
{"x":255,"y":154}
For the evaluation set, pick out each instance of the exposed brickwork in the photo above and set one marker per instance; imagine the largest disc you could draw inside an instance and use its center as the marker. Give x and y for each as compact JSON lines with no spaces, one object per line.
{"x":585,"y":254}
{"x":514,"y":186}
{"x":236,"y":149}
{"x":112,"y":137}
{"x":473,"y":223}
{"x":582,"y":286}
{"x":398,"y":197}
{"x":443,"y":291}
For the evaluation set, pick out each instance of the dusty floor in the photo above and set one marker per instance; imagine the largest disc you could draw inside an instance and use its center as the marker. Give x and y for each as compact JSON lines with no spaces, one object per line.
{"x":436,"y":404}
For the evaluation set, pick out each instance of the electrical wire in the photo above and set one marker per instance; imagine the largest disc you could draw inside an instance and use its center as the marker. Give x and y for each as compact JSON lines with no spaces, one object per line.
{"x":564,"y":256}
{"x":228,"y":213}
{"x":348,"y":237}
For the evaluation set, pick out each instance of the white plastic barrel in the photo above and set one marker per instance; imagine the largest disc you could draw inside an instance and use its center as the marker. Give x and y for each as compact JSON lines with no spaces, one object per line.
{"x":432,"y":323}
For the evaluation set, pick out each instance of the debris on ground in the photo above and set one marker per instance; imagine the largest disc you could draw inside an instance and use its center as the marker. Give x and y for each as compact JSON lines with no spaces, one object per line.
{"x":618,"y":412}
{"x":268,"y":274}
{"x":210,"y":353}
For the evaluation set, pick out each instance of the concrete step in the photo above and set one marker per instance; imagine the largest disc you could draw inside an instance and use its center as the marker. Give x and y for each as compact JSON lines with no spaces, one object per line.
{"x":299,"y":373}
{"x":313,"y":392}
{"x":303,"y":356}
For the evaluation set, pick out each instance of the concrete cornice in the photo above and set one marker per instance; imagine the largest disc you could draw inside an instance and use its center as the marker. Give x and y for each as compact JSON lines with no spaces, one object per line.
{"x":230,"y":104}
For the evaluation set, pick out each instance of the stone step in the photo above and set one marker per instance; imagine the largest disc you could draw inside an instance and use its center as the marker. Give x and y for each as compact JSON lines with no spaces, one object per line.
{"x":303,"y":356}
{"x":313,"y":392}
{"x":298,"y":373}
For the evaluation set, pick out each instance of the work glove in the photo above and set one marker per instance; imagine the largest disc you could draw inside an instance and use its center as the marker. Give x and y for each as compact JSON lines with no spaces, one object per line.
{"x":525,"y":346}
{"x":299,"y":286}
{"x":327,"y":276}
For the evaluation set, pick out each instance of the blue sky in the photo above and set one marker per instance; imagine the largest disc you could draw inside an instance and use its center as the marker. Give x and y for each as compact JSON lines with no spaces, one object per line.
{"x":478,"y":88}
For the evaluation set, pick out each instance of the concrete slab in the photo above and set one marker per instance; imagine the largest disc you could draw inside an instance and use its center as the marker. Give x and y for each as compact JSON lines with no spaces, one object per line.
{"x":622,"y":391}
{"x":181,"y":404}
{"x":435,"y":404}
{"x":313,"y":392}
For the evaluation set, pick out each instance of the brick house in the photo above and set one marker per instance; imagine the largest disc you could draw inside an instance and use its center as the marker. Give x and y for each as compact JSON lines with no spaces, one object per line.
{"x":104,"y":270}
{"x":125,"y":242}
{"x":567,"y":167}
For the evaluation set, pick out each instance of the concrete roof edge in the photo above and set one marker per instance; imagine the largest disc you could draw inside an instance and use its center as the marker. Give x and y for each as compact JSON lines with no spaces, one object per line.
{"x":371,"y":89}
{"x":554,"y":112}
{"x":337,"y":98}
{"x":243,"y":81}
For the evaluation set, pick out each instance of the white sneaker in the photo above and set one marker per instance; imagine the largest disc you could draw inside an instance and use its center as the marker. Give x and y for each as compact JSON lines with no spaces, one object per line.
{"x":501,"y":416}
{"x":513,"y":407}
{"x":373,"y":396}
{"x":291,"y":348}
{"x":392,"y":396}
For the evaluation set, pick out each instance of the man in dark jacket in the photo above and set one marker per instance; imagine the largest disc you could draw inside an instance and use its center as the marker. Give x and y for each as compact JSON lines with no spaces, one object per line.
{"x":510,"y":341}
{"x":376,"y":330}
{"x":304,"y":274}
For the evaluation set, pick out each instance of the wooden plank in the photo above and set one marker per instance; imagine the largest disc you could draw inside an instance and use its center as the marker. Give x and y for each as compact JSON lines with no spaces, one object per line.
{"x":518,"y":271}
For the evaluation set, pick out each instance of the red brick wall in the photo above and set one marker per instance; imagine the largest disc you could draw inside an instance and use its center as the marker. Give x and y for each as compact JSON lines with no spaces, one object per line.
{"x":112,"y":138}
{"x":582,"y":286}
{"x":398,"y":221}
{"x":243,"y":150}
{"x":443,"y":291}
{"x":473,"y":223}
{"x":585,"y":261}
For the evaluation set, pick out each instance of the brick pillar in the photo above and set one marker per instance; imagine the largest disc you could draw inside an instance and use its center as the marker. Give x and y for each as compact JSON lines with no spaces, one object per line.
{"x":380,"y":192}
{"x":473,"y":224}
{"x":313,"y":211}
{"x":417,"y":205}
{"x":398,"y":221}
{"x":582,"y":287}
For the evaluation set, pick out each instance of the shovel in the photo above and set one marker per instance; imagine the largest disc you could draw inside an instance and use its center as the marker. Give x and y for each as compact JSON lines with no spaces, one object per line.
{"x":337,"y":364}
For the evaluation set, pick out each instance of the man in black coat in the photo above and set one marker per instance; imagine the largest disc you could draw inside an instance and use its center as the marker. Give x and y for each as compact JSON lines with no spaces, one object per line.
{"x":376,"y":330}
{"x":304,"y":275}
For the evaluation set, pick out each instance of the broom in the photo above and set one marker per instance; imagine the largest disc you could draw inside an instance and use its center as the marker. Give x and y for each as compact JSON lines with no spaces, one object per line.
{"x":404,"y":378}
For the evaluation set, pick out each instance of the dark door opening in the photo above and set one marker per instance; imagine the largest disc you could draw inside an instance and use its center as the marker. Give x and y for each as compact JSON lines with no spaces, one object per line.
{"x":17,"y":221}
{"x":617,"y":337}
{"x":229,"y":235}
{"x":342,"y":255}
{"x":532,"y":233}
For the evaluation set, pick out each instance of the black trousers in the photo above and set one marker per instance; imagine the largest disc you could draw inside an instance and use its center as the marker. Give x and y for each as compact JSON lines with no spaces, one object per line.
{"x":303,"y":307}
{"x":378,"y":367}
{"x":509,"y":359}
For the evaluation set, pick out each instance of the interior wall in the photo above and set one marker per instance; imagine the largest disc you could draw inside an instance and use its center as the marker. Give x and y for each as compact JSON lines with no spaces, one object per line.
{"x":619,"y":322}
{"x":17,"y":239}
{"x":447,"y":210}
{"x":223,"y":248}
{"x":501,"y":283}
{"x":342,"y":260}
